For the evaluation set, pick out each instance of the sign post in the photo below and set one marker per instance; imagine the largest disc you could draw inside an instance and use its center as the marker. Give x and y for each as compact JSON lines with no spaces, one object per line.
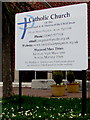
{"x":52,"y":39}
{"x":84,"y":92}
{"x":20,"y":90}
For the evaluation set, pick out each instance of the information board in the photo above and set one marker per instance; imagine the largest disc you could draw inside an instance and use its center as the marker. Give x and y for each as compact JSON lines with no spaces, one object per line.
{"x":52,"y":39}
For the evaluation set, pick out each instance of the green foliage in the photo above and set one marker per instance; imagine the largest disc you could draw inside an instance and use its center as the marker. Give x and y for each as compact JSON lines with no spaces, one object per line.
{"x":34,"y":108}
{"x":70,"y":76}
{"x":58,"y":76}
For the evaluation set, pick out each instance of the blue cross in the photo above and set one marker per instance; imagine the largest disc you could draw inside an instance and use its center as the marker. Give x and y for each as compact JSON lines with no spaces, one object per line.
{"x":25,"y":25}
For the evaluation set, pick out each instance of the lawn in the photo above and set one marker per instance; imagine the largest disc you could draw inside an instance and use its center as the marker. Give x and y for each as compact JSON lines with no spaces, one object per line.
{"x":36,"y":108}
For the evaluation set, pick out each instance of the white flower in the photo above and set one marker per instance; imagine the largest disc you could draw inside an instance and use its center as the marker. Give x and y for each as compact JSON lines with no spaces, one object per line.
{"x":3,"y":113}
{"x":33,"y":116}
{"x":13,"y":115}
{"x":79,"y":114}
{"x":60,"y":106}
{"x":5,"y":108}
{"x":19,"y":112}
{"x":35,"y":111}
{"x":7,"y":112}
{"x":71,"y":109}
{"x":51,"y":116}
{"x":58,"y":114}
{"x":39,"y":116}
{"x":37,"y":107}
{"x":62,"y":115}
{"x":70,"y":117}
{"x":12,"y":108}
{"x":53,"y":108}
{"x":30,"y":113}
{"x":73,"y":115}
{"x":27,"y":113}
{"x":44,"y":107}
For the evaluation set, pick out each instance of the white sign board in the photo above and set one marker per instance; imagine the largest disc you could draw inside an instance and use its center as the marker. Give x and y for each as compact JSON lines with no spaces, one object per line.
{"x":52,"y":39}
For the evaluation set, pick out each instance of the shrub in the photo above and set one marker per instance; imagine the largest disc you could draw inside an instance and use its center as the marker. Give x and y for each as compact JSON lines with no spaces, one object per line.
{"x":70,"y":76}
{"x":58,"y":76}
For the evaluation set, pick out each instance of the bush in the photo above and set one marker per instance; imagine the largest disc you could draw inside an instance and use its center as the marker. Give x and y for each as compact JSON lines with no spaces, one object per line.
{"x":70,"y":76}
{"x":58,"y":76}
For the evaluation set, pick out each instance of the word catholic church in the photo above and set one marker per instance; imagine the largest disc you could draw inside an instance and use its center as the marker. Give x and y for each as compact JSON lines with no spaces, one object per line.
{"x":52,"y":16}
{"x":29,"y":75}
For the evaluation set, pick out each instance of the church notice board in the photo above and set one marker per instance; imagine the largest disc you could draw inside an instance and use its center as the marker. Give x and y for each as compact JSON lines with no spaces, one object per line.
{"x":52,"y":39}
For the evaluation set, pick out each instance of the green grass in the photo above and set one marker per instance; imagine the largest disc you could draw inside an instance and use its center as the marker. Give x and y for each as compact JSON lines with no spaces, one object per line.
{"x":36,"y":108}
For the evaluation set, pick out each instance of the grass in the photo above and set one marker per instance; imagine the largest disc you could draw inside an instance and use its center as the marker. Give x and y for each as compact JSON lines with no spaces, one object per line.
{"x":36,"y":108}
